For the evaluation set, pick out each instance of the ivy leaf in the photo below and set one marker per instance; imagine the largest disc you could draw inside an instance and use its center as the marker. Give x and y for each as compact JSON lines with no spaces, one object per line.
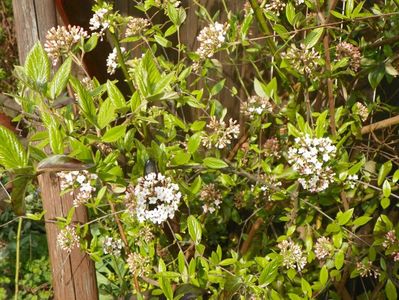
{"x":12,"y":154}
{"x":214,"y":163}
{"x":37,"y":65}
{"x":194,"y":229}
{"x":60,"y":79}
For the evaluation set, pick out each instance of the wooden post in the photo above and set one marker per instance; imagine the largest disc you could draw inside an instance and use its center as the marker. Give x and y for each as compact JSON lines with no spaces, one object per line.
{"x":74,"y":275}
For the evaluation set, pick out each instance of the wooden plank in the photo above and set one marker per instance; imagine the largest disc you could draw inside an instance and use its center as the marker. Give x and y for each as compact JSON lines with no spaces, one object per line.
{"x":46,"y":17}
{"x":72,"y":273}
{"x":25,"y":26}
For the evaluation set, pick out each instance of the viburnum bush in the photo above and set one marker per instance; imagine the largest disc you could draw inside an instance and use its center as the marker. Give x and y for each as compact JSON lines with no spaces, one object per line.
{"x":295,"y":199}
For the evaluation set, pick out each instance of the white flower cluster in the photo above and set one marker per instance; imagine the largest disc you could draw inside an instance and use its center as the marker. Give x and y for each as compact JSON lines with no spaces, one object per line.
{"x":350,"y":51}
{"x":256,"y":105}
{"x":390,"y":239}
{"x":164,"y":3}
{"x":137,"y":264}
{"x":362,"y":111}
{"x":323,"y":247}
{"x":221,"y":135}
{"x":81,"y":181}
{"x":302,"y":59}
{"x":211,"y":39}
{"x":351,"y":181}
{"x":157,"y":198}
{"x":112,"y":246}
{"x":136,"y":26}
{"x":366,"y":269}
{"x":112,"y":61}
{"x":275,"y":6}
{"x":68,"y":239}
{"x":211,"y":197}
{"x":61,"y":40}
{"x":292,"y":254}
{"x":99,"y":21}
{"x":310,"y":158}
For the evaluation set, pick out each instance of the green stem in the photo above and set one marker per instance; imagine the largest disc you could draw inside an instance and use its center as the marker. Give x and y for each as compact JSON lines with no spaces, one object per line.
{"x":263,"y":24}
{"x":17,"y":258}
{"x":122,"y":62}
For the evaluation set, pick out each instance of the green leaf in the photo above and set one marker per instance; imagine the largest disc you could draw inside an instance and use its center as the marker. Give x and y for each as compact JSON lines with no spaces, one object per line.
{"x":106,"y":113}
{"x":385,"y":202}
{"x":114,"y":134}
{"x":58,"y":163}
{"x":162,"y":41}
{"x":37,"y":65}
{"x":321,"y":124}
{"x":214,"y":163}
{"x":181,"y":158}
{"x":390,"y":290}
{"x":56,"y":139}
{"x":19,"y":185}
{"x":386,"y":189}
{"x":91,"y":43}
{"x":218,"y":87}
{"x":12,"y":154}
{"x":194,"y":229}
{"x":269,"y":273}
{"x":306,"y":288}
{"x":343,"y":218}
{"x":339,"y":260}
{"x":60,"y":79}
{"x":228,"y":262}
{"x":85,"y":100}
{"x":194,"y":142}
{"x":290,"y":13}
{"x":260,"y":88}
{"x":323,"y":277}
{"x":362,"y":220}
{"x":383,"y":172}
{"x":395,"y":176}
{"x":376,"y":75}
{"x":166,"y":287}
{"x":117,"y":99}
{"x":313,"y":37}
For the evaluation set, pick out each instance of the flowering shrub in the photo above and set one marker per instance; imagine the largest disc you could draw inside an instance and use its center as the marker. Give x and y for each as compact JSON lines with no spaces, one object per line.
{"x":288,"y":202}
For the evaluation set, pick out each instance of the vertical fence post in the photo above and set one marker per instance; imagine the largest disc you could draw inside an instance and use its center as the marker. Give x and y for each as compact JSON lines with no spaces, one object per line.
{"x":74,"y":275}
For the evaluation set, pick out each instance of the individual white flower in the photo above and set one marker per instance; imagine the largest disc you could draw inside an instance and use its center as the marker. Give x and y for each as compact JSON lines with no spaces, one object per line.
{"x":157,"y":198}
{"x":351,"y":181}
{"x":292,"y":255}
{"x":366,"y":269}
{"x":112,"y":60}
{"x":68,"y":239}
{"x":311,"y":157}
{"x":390,"y":239}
